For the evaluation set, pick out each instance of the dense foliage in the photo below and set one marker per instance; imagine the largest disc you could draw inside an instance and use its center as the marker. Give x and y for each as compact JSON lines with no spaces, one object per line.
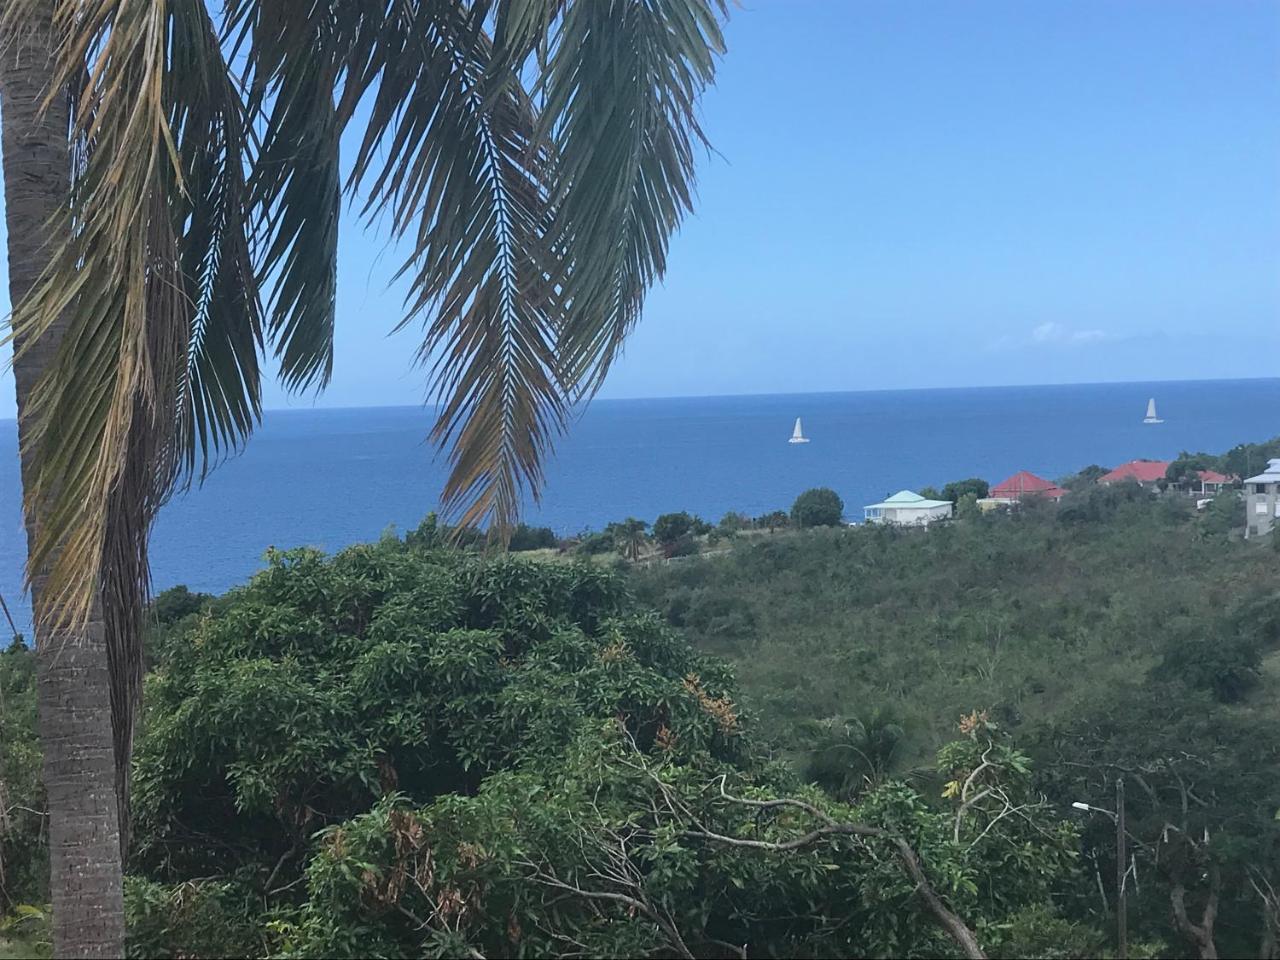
{"x":525,"y":537}
{"x":410,"y":751}
{"x":1118,"y":631}
{"x":23,"y":854}
{"x":819,"y":507}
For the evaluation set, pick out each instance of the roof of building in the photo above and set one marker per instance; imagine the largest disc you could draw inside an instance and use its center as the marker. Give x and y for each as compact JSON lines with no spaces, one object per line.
{"x":1022,"y":483}
{"x":1144,"y":471}
{"x":1213,"y":476}
{"x":1270,"y":475}
{"x":905,"y":498}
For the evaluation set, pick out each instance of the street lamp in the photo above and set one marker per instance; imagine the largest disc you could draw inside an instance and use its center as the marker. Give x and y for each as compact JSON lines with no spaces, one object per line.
{"x":1122,"y":866}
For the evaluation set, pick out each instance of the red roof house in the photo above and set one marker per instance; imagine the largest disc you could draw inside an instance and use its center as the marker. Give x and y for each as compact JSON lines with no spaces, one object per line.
{"x":1024,"y":484}
{"x":1145,"y":472}
{"x":1206,"y":482}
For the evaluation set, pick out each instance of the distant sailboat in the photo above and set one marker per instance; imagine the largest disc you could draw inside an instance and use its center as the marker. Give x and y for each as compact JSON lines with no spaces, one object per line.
{"x":1151,"y":416}
{"x":797,"y":434}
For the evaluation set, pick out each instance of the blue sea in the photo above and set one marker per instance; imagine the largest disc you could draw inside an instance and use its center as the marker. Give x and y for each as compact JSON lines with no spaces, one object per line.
{"x":329,"y":478}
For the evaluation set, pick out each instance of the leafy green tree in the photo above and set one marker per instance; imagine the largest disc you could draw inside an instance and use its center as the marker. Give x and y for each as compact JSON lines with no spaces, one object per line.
{"x":594,"y":543}
{"x":847,"y":756}
{"x":670,"y":527}
{"x":1186,"y":468}
{"x":777,"y":520}
{"x":1200,"y":807}
{"x":976,"y":486}
{"x":525,"y":537}
{"x":635,"y":852}
{"x":931,"y":493}
{"x":177,"y":603}
{"x":819,"y":507}
{"x":24,"y":868}
{"x":734,"y":522}
{"x":1224,"y":514}
{"x":555,"y":146}
{"x":1249,"y":459}
{"x":432,"y":753}
{"x":1084,"y":478}
{"x":1228,"y":666}
{"x":629,"y":537}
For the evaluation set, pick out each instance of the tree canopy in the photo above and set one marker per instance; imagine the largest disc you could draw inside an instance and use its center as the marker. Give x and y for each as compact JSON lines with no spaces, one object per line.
{"x":819,"y":507}
{"x":408,"y":751}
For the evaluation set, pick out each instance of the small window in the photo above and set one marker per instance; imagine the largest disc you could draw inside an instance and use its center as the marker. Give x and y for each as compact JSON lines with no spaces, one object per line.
{"x":1260,"y":508}
{"x":1259,"y":488}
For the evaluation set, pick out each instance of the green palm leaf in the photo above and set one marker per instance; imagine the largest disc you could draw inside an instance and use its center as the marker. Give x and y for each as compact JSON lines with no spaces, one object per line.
{"x":153,"y":273}
{"x":620,"y":84}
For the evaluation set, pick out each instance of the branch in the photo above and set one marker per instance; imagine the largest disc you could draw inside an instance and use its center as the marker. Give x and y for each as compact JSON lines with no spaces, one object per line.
{"x":639,"y":905}
{"x":955,"y":928}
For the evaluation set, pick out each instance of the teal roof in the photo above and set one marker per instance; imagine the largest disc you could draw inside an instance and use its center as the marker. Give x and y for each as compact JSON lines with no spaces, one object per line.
{"x":905,"y":498}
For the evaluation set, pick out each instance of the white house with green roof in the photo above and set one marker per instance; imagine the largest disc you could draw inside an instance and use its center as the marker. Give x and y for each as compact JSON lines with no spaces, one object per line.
{"x":908,"y":509}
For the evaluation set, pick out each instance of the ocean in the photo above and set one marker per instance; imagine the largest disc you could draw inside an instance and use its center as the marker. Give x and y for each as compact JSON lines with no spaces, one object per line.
{"x":328,"y":478}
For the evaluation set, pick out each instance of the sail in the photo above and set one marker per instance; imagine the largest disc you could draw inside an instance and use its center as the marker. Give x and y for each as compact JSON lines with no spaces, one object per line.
{"x":1151,"y":409}
{"x":797,"y":432}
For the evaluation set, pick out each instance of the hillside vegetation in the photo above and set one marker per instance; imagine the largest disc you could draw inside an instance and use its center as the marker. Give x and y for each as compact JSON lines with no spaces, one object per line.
{"x":1023,"y":613}
{"x":823,"y":741}
{"x":1119,"y":634}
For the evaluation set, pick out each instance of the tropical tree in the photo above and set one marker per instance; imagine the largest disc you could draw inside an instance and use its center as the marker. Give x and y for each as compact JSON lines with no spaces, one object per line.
{"x":958,"y":488}
{"x":670,"y":527}
{"x":629,"y":536}
{"x":75,"y":702}
{"x":819,"y":507}
{"x":774,"y":520}
{"x":534,"y":157}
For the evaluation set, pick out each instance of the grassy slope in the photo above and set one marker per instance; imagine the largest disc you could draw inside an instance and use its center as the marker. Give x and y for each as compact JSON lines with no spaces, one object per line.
{"x":1021,"y":614}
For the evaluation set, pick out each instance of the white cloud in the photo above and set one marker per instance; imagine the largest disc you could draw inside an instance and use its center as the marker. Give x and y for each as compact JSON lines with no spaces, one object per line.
{"x":1053,"y":332}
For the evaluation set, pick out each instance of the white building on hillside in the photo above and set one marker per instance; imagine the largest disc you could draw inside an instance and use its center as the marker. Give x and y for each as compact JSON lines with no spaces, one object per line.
{"x":908,"y":509}
{"x":1262,"y":500}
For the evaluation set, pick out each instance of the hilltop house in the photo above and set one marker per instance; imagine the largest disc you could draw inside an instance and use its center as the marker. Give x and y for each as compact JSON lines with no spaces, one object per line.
{"x":1022,"y":485}
{"x":907,"y":509}
{"x":1206,"y":483}
{"x":1148,"y":473}
{"x":1262,"y":500}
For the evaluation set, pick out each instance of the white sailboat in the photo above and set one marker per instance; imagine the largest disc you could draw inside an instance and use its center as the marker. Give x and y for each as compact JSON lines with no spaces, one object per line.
{"x":1151,"y":416}
{"x":797,"y":434}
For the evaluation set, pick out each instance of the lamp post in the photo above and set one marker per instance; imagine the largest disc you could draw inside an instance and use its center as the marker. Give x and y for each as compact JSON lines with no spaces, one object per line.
{"x":1122,"y":868}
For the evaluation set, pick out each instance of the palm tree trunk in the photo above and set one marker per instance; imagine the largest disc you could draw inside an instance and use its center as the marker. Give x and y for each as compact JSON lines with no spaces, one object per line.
{"x":74,"y":689}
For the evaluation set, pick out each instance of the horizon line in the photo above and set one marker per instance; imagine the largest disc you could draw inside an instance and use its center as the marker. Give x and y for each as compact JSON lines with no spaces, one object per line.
{"x":314,"y":408}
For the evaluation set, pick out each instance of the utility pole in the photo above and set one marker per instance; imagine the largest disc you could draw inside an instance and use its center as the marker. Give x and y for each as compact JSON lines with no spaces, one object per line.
{"x":1122,"y":872}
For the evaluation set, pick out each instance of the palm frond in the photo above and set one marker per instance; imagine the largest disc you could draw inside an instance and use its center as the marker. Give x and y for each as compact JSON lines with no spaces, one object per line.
{"x":150,"y":279}
{"x":291,"y":58}
{"x":449,"y":155}
{"x":620,"y":86}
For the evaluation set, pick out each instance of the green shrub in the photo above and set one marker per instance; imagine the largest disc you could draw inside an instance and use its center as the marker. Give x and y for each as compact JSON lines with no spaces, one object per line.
{"x":199,"y":918}
{"x":24,"y":855}
{"x":594,"y":544}
{"x":974,"y":486}
{"x":819,"y":507}
{"x":406,"y":752}
{"x":325,"y":683}
{"x":1228,"y":666}
{"x":526,"y":537}
{"x":175,"y":604}
{"x":670,"y":527}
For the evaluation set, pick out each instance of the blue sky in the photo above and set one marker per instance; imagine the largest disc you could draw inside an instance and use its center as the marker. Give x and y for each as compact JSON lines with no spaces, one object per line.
{"x":915,"y":194}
